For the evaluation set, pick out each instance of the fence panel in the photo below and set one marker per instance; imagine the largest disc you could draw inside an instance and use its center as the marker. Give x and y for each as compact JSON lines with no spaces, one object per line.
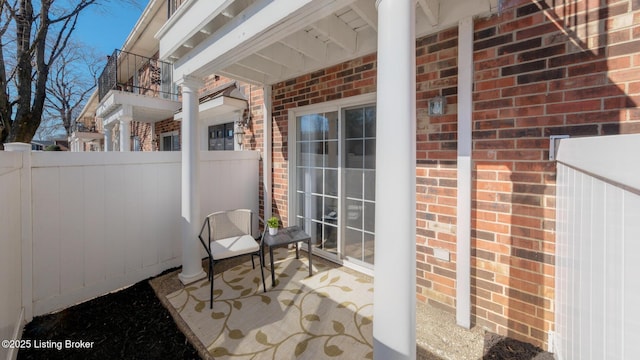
{"x":102,"y":221}
{"x":10,"y":244}
{"x":598,"y":247}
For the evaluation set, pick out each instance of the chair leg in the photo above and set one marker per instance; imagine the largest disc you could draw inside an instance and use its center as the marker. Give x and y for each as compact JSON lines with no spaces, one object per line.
{"x":253,"y":264}
{"x":211,"y":287}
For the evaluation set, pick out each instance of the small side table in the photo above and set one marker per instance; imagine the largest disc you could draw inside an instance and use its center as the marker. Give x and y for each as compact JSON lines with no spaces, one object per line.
{"x":288,"y":235}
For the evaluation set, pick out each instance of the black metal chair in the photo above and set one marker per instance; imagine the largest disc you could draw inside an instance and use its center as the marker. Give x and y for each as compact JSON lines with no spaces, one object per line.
{"x":230,"y":236}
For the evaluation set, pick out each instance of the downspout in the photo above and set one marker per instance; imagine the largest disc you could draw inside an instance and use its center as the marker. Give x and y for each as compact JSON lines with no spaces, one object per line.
{"x":465,"y":106}
{"x":267,"y":150}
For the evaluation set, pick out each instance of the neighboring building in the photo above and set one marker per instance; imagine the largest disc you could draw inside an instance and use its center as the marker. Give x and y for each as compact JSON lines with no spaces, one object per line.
{"x":494,"y":82}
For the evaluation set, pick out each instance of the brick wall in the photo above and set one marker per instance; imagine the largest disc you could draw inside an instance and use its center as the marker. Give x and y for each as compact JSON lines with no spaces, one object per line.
{"x":539,"y":70}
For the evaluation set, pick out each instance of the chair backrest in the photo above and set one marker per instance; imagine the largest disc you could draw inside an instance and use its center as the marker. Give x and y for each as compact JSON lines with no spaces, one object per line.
{"x":225,"y":224}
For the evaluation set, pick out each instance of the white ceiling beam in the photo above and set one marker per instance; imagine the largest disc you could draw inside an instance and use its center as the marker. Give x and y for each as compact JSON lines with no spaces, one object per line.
{"x":339,"y":32}
{"x":239,"y":72}
{"x":306,"y":44}
{"x":366,"y":9}
{"x":284,"y":55}
{"x":431,"y":9}
{"x":262,"y":65}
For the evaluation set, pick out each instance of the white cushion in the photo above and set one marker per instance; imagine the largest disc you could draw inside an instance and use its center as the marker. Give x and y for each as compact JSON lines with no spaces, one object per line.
{"x":233,"y":246}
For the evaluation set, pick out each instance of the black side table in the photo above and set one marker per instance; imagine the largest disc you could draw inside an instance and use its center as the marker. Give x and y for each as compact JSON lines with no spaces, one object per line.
{"x":285,"y":236}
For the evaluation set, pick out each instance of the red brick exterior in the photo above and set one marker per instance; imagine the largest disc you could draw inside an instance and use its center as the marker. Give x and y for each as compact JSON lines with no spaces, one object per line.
{"x":538,"y":71}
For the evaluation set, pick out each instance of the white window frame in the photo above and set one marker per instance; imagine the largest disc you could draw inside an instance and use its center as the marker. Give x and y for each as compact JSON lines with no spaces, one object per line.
{"x":334,"y":105}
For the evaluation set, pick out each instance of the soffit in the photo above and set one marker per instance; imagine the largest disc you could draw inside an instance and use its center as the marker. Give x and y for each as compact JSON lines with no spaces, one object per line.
{"x":319,"y":34}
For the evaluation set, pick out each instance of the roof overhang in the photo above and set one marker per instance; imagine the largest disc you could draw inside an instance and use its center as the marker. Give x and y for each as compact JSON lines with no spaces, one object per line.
{"x":268,"y":41}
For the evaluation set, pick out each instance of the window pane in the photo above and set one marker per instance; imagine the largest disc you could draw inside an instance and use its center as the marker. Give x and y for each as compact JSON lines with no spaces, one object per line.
{"x":354,"y":154}
{"x":316,"y":150}
{"x":331,"y":182}
{"x":370,"y":185}
{"x":304,"y":154}
{"x":316,"y":181}
{"x":332,"y":126}
{"x":369,"y":216}
{"x":331,"y":154}
{"x":354,"y":213}
{"x":353,"y":183}
{"x":354,"y":121}
{"x":353,"y":243}
{"x":370,"y":121}
{"x":369,"y":248}
{"x":330,"y":236}
{"x":369,"y":154}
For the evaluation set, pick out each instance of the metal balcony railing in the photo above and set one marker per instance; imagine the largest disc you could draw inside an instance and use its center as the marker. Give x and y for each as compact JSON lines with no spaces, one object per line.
{"x":172,"y":6}
{"x":136,"y":74}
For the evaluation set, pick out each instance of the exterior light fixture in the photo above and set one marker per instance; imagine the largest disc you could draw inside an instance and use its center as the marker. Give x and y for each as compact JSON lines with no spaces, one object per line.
{"x":437,"y":106}
{"x":239,"y":133}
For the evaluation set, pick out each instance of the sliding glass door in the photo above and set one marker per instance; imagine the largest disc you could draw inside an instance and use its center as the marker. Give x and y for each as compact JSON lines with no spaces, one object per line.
{"x":334,"y":180}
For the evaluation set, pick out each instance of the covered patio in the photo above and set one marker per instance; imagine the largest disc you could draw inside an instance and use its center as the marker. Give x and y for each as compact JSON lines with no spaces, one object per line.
{"x":265,"y":42}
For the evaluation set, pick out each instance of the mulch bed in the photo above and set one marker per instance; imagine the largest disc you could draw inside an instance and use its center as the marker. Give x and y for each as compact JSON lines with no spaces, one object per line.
{"x":128,"y":324}
{"x":498,"y":347}
{"x":133,"y":324}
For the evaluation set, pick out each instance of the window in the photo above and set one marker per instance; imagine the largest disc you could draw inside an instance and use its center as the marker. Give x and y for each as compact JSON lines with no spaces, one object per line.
{"x":170,"y":141}
{"x":221,"y":137}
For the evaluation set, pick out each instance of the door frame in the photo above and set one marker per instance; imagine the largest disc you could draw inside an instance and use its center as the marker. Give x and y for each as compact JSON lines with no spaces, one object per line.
{"x":292,"y":113}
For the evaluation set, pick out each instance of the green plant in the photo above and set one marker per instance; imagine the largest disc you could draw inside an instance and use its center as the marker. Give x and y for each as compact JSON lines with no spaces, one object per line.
{"x":273,"y":222}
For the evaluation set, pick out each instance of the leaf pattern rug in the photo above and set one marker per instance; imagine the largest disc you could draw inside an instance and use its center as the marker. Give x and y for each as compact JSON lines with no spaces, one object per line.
{"x":326,"y":316}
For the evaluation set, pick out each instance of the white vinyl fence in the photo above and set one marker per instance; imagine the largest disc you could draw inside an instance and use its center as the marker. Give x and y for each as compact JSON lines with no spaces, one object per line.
{"x":598,"y":248}
{"x":100,"y":221}
{"x":11,"y":313}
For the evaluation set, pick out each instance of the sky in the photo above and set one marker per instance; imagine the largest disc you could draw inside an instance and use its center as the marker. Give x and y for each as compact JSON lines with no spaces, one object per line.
{"x":105,"y":27}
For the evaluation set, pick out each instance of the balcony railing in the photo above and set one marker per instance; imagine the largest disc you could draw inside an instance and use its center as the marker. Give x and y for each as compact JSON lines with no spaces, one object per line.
{"x":172,"y":6}
{"x":136,"y":74}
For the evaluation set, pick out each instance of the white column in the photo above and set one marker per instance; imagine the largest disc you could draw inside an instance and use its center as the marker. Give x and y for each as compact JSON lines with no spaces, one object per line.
{"x":191,"y":221}
{"x":394,"y":299}
{"x":463,"y":217}
{"x":108,"y":137}
{"x":125,"y":133}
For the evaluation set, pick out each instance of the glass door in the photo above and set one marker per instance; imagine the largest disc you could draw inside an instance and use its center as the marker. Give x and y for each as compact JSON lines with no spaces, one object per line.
{"x":359,"y":163}
{"x":317,"y":178}
{"x":335,"y":181}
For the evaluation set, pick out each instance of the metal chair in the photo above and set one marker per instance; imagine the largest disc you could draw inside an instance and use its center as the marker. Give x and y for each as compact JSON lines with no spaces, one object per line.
{"x":229,"y":236}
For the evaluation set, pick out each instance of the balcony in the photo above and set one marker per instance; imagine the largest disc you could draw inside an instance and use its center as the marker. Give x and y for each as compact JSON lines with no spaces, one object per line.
{"x":135,"y":87}
{"x":136,"y":74}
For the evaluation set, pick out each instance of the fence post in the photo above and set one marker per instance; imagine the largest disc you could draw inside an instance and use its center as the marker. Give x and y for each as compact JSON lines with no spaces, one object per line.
{"x":26,"y":228}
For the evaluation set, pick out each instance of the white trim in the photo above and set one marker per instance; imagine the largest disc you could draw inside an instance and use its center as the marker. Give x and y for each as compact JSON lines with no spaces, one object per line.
{"x":463,"y":221}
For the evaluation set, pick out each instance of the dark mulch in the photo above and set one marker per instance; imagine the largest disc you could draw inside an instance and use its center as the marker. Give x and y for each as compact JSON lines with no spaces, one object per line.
{"x":128,"y":324}
{"x":498,"y":347}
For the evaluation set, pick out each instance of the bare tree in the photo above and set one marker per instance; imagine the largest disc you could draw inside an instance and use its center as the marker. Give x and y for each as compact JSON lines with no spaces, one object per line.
{"x":71,"y":82}
{"x":39,"y":37}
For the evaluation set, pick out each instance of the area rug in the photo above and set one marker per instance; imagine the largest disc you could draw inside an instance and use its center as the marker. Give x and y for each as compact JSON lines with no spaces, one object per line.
{"x":326,"y":316}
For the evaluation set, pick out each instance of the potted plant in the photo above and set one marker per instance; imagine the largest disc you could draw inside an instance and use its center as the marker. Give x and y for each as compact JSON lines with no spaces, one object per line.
{"x":273,"y":224}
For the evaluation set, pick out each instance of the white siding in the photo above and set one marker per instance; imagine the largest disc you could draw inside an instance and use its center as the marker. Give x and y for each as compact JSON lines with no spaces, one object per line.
{"x":598,"y":248}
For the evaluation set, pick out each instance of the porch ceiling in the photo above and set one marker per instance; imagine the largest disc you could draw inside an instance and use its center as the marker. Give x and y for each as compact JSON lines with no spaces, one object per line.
{"x":267,"y":41}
